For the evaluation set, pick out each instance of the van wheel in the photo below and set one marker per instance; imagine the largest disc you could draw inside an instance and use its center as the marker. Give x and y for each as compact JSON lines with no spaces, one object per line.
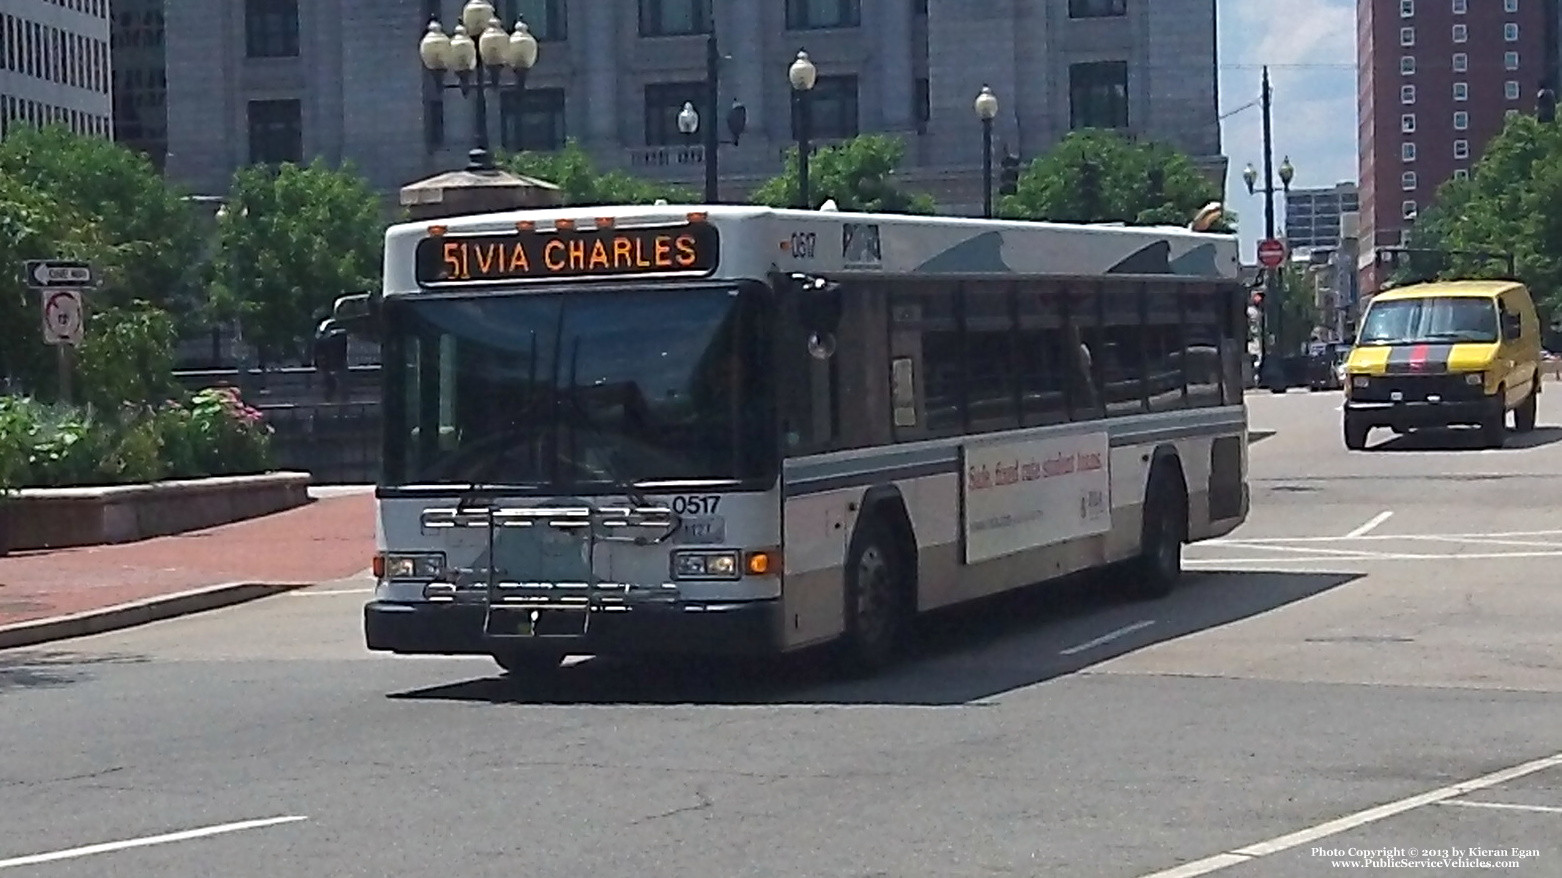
{"x":525,"y":663}
{"x":1524,"y":415}
{"x":878,"y":600}
{"x":1356,"y":432}
{"x":1494,"y":429}
{"x":1155,"y":573}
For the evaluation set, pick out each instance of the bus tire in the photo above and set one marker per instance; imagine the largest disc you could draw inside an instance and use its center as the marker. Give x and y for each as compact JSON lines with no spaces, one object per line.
{"x":1155,"y":573}
{"x":527,"y":662}
{"x":878,"y":598}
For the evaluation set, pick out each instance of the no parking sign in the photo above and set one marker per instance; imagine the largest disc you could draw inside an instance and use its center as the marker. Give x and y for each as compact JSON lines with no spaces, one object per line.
{"x":62,"y":317}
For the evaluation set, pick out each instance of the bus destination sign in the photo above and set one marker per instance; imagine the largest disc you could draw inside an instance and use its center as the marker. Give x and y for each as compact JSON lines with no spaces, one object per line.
{"x":531,"y":255}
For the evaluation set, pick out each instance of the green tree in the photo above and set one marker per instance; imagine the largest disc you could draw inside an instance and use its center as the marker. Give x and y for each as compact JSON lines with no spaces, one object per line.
{"x":1507,"y":206}
{"x":582,"y":185}
{"x":127,"y":356}
{"x":36,"y":225}
{"x":858,"y":173}
{"x":152,"y":230}
{"x":1298,"y":311}
{"x":1096,"y":176}
{"x":291,"y":240}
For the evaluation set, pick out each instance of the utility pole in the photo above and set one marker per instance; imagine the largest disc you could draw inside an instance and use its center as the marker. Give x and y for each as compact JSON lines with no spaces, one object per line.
{"x":1271,"y":309}
{"x":712,"y":99}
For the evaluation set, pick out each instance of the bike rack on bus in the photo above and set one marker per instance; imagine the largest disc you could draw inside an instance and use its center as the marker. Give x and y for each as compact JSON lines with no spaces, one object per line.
{"x":519,"y":611}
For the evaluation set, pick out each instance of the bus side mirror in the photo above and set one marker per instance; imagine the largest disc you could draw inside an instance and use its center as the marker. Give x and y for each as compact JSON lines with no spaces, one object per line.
{"x":819,"y":309}
{"x":358,"y":314}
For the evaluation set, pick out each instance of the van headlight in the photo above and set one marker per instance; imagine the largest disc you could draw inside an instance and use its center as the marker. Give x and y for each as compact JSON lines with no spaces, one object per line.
{"x":1475,"y":379}
{"x":414,"y":565}
{"x":1359,"y":380}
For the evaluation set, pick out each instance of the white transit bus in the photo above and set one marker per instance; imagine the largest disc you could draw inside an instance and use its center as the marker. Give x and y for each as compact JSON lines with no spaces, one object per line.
{"x":728,"y":430}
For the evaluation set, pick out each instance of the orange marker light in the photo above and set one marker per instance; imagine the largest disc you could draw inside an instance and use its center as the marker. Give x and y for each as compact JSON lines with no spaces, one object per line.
{"x":761,"y":563}
{"x":698,"y":217}
{"x":564,"y":224}
{"x":606,"y":222}
{"x":379,"y":566}
{"x":437,"y":231}
{"x":525,"y":226}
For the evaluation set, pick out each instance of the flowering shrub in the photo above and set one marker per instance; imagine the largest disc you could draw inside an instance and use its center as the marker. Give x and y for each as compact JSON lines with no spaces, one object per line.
{"x":214,"y":433}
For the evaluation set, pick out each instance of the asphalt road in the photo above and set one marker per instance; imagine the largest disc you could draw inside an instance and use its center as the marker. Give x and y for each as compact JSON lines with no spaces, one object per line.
{"x":1385,"y":631}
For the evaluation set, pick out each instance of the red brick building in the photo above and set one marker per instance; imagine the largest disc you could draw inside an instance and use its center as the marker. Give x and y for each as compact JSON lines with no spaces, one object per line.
{"x":1436,"y":80}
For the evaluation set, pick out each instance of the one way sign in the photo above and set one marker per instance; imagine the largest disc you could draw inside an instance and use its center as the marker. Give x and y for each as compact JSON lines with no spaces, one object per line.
{"x":47,"y":274}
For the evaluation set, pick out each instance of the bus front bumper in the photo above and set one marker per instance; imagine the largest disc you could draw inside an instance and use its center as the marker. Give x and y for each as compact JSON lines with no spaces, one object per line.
{"x":748,"y":628}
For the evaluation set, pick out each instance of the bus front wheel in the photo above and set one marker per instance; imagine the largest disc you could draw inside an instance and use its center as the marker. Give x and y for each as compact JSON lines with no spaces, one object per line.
{"x":878,"y":600}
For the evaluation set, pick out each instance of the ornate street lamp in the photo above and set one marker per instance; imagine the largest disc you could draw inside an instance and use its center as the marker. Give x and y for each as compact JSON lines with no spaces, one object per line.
{"x":479,"y":66}
{"x":987,"y":109}
{"x":802,"y":75}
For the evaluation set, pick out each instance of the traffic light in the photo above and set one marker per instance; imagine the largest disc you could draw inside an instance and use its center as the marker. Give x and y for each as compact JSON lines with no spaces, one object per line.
{"x":1009,"y":176}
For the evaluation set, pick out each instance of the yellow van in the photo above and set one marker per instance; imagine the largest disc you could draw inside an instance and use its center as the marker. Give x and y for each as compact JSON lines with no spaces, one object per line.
{"x":1443,"y":354}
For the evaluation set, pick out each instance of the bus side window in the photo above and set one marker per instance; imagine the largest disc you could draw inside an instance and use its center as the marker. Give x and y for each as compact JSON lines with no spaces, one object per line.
{"x":1043,"y":350}
{"x":1082,"y":313}
{"x":1203,"y":349}
{"x":925,"y":328}
{"x":1165,"y":354}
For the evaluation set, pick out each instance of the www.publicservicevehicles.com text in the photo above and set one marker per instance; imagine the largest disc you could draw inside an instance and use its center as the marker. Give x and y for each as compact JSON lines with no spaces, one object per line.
{"x":1427,"y":858}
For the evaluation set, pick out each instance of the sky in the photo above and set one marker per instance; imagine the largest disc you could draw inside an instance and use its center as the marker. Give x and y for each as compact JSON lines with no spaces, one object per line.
{"x":1311,"y":52}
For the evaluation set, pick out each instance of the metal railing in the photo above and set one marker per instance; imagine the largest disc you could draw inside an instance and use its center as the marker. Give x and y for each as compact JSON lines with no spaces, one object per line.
{"x":336,"y":443}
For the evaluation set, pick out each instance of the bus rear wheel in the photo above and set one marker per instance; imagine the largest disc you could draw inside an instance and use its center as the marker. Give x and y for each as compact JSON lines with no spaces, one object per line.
{"x":878,"y":599}
{"x":1158,"y":568}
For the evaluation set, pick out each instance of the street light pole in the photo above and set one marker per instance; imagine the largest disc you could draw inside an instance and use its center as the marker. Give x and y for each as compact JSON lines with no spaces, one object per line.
{"x":802,"y":75}
{"x":712,"y":98}
{"x":1271,"y":315}
{"x":479,"y":65}
{"x":986,"y":110}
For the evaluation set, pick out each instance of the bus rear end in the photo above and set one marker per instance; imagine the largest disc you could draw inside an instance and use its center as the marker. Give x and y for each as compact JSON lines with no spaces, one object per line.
{"x":575,"y":463}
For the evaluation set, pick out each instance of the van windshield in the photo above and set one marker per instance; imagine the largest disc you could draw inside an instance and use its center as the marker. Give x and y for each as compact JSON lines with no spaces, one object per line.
{"x":1431,"y":319}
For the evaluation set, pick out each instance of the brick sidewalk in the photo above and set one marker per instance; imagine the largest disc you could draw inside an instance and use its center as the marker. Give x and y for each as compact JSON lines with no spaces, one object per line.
{"x":331,"y":538}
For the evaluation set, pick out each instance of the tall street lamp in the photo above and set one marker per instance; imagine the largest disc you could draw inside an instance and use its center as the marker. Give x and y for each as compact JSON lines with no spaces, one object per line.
{"x":802,"y":74}
{"x":987,"y":110}
{"x":1271,"y":313}
{"x":689,"y":125}
{"x":479,"y":66}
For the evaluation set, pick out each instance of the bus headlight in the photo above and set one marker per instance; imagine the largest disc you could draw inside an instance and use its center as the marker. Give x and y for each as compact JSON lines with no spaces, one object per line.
{"x":418,"y":565}
{"x":706,"y":565}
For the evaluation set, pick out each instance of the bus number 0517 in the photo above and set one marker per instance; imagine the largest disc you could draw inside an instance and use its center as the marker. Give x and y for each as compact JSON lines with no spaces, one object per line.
{"x":697,"y":505}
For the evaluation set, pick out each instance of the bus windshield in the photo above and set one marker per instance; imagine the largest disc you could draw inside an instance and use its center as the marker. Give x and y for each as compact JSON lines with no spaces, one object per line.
{"x":579,"y":392}
{"x":1433,"y":319}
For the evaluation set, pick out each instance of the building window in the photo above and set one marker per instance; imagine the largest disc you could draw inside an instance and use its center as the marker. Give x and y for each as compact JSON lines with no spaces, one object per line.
{"x":271,"y":28}
{"x":1407,"y":209}
{"x":1461,"y":91}
{"x":547,"y":19}
{"x":1461,"y":33}
{"x":1407,"y":94}
{"x":276,"y":132}
{"x":663,"y":102}
{"x":1459,"y":7}
{"x":1407,"y":8}
{"x":1098,"y":94}
{"x":832,"y":108}
{"x":671,"y":18}
{"x":1461,"y":62}
{"x":1510,"y":5}
{"x":1461,"y":173}
{"x":532,"y":120}
{"x":1407,"y":65}
{"x":1510,"y":90}
{"x":1407,"y":181}
{"x":1407,"y":36}
{"x":1461,"y":149}
{"x":814,"y":14}
{"x":1407,"y":123}
{"x":1461,"y":121}
{"x":1510,"y":60}
{"x":1097,"y":8}
{"x":1407,"y":152}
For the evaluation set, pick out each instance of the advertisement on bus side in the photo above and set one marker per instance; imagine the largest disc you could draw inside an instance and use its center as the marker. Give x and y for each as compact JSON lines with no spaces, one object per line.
{"x":1027,"y":494}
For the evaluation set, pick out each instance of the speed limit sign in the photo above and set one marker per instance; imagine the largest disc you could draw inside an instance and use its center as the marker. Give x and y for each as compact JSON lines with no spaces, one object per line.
{"x":62,"y":317}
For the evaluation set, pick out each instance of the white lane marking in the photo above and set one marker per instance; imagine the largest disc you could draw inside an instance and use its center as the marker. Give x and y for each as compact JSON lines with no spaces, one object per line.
{"x":1503,"y":806}
{"x":1376,"y":556}
{"x":1108,"y":637}
{"x":1241,"y":855}
{"x":1371,"y":525}
{"x":330,"y":591}
{"x":110,"y":847}
{"x":1533,"y":544}
{"x":1230,"y":541}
